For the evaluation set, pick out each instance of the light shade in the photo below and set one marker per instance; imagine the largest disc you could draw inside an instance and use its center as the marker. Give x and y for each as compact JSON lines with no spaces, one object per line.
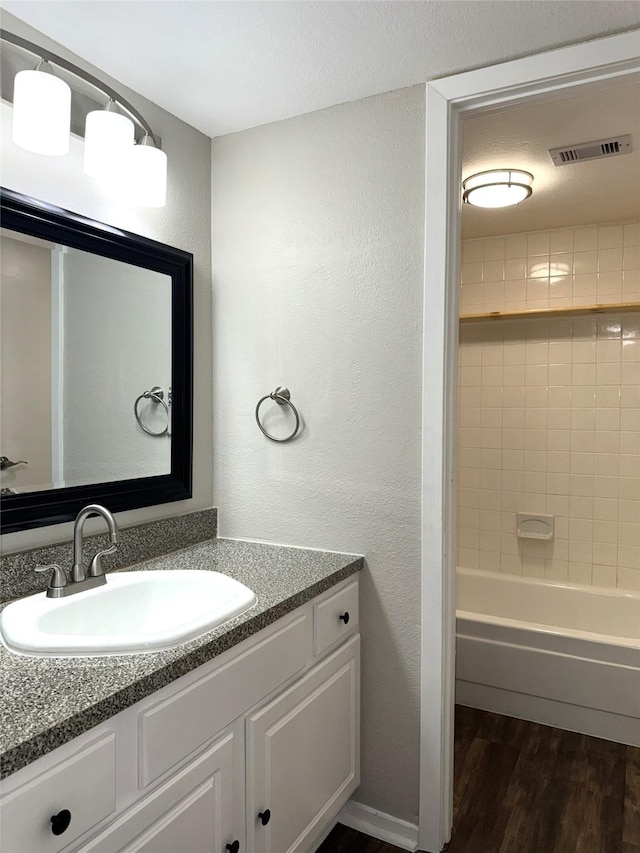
{"x":108,"y":141}
{"x":146,"y":175}
{"x":497,"y":188}
{"x":41,"y":113}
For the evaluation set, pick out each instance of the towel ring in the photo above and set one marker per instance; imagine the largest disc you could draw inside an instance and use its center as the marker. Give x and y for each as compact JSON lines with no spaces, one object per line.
{"x":157,"y":395}
{"x":282,"y":397}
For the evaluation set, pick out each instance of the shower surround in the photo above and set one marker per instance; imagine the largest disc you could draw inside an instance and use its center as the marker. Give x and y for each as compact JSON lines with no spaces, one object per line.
{"x":549,"y":407}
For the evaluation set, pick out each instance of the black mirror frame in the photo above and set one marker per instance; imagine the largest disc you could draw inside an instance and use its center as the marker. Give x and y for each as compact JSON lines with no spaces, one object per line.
{"x":54,"y":506}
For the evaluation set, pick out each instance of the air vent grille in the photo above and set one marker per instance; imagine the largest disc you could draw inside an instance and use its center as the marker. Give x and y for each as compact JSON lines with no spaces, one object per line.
{"x":611,"y":147}
{"x":592,"y":150}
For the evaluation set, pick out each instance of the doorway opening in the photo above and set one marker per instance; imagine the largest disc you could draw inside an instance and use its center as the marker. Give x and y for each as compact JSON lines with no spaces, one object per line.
{"x":550,"y":77}
{"x":548,"y":479}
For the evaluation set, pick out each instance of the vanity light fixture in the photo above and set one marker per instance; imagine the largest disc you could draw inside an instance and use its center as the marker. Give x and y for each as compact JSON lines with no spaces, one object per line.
{"x":497,"y":188}
{"x":41,"y":111}
{"x":41,"y":124}
{"x":108,"y":139}
{"x":146,"y":174}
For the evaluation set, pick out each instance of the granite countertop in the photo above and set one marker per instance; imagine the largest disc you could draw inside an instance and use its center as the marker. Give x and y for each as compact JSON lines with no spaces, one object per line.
{"x":48,"y":701}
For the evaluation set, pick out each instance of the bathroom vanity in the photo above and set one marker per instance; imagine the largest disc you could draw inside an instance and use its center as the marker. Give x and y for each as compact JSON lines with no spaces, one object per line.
{"x":245,"y":739}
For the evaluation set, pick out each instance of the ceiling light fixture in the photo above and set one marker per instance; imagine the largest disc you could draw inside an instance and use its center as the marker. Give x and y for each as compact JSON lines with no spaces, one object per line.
{"x":497,"y":188}
{"x":41,"y":124}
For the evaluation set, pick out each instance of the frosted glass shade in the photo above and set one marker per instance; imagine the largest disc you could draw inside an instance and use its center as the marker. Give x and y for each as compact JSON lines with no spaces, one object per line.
{"x":108,"y":142}
{"x":147,"y":176}
{"x":499,"y":188}
{"x":41,"y":113}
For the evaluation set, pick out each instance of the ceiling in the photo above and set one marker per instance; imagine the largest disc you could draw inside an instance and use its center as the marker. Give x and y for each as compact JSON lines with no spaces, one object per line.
{"x":603,"y":190}
{"x":227,"y":66}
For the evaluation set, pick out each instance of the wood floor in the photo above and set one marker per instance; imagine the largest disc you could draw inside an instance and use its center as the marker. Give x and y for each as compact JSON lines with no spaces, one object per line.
{"x":524,"y":788}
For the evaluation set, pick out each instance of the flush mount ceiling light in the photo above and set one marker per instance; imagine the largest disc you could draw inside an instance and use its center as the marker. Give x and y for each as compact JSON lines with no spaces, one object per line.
{"x":497,"y":188}
{"x":41,"y":124}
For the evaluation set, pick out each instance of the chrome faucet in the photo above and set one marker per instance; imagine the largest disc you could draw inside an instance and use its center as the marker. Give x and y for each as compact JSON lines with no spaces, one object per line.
{"x":60,"y":586}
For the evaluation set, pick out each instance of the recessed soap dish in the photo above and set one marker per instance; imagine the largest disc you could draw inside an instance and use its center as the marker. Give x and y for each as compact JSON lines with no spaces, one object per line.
{"x":534,"y":526}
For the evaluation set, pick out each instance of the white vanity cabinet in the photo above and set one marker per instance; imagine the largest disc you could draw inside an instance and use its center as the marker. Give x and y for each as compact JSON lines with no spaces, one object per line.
{"x":193,"y":812}
{"x":303,"y":755}
{"x":255,"y":751}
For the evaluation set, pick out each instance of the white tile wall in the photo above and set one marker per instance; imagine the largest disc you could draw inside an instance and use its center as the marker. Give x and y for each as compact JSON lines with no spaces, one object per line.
{"x":549,"y":409}
{"x":596,"y":264}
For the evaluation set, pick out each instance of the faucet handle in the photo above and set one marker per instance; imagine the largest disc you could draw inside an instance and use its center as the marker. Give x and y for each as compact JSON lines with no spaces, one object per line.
{"x":96,"y":569}
{"x":5,"y":463}
{"x":58,"y":577}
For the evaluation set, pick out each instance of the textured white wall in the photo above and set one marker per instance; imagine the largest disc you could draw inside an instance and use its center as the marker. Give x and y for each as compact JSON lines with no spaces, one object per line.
{"x":184,"y":223}
{"x":317,"y":237}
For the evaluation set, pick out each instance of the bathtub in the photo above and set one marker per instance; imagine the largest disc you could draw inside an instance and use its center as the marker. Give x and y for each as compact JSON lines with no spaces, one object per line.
{"x":554,"y":653}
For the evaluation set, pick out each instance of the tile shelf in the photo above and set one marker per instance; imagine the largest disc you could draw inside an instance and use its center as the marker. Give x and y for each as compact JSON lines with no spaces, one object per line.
{"x":572,"y":310}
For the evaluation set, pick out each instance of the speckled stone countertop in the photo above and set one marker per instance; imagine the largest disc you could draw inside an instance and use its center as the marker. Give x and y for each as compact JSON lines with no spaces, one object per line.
{"x":48,"y":701}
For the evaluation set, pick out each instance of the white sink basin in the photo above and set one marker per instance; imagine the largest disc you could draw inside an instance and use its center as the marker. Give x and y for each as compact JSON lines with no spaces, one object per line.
{"x":133,"y":612}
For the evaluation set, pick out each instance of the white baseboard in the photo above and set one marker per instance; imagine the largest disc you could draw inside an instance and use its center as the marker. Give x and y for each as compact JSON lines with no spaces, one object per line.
{"x":379,"y":825}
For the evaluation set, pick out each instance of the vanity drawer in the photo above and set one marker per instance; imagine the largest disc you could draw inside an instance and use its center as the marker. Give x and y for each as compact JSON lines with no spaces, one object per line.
{"x":335,"y":617}
{"x":173,"y":728}
{"x":83,"y":783}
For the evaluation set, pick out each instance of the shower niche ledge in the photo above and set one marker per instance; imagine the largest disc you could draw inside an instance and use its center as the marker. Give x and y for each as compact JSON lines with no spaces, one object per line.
{"x":571,"y":311}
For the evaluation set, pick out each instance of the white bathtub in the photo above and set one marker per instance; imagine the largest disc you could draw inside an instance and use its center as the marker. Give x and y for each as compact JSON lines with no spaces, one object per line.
{"x":560,"y":654}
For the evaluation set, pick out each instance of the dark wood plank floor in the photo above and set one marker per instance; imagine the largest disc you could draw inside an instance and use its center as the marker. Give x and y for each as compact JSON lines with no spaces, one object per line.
{"x":524,"y":788}
{"x":345,"y":840}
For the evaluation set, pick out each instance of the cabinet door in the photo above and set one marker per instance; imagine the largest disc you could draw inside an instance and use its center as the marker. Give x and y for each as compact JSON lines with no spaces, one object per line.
{"x":303,"y":755}
{"x":195,"y":811}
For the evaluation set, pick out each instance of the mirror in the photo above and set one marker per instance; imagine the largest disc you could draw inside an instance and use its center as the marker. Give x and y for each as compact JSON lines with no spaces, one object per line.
{"x":96,"y":369}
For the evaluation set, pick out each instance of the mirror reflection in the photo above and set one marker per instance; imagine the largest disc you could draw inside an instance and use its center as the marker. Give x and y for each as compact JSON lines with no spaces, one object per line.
{"x":85,"y":367}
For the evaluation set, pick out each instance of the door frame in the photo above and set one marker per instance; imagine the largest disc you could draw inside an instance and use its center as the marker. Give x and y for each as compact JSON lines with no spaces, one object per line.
{"x":543,"y":76}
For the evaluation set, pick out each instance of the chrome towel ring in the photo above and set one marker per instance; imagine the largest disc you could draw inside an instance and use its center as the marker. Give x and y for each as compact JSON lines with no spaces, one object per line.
{"x":282,"y":397}
{"x":157,"y":396}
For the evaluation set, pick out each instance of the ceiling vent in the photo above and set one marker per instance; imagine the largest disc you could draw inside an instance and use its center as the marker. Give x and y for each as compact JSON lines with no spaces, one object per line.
{"x":609,"y":147}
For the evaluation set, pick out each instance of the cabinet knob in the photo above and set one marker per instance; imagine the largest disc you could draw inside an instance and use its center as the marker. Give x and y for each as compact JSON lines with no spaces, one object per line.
{"x":60,"y":821}
{"x":265,"y":816}
{"x":233,"y":847}
{"x":345,"y":617}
